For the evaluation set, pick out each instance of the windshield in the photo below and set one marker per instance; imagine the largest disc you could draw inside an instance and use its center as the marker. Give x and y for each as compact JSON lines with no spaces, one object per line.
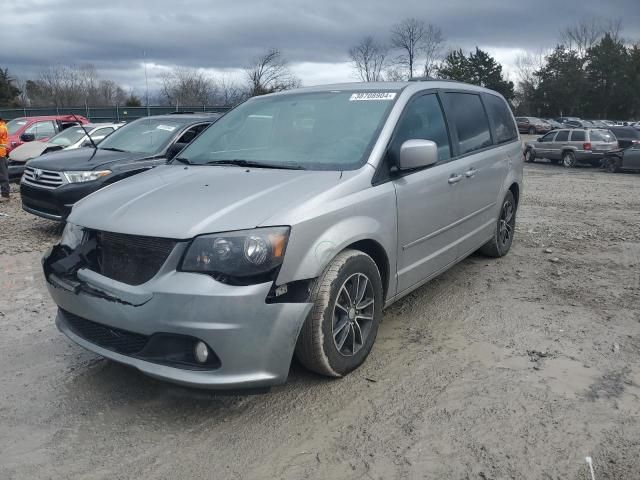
{"x":147,"y":135}
{"x":315,"y":131}
{"x":67,"y":137}
{"x":14,"y":125}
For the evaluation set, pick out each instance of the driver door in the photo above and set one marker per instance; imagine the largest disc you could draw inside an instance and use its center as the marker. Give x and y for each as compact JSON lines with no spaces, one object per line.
{"x":426,"y":199}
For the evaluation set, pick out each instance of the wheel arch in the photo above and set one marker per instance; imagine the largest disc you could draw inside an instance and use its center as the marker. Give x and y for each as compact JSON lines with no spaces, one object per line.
{"x":514,"y":188}
{"x":379,"y":256}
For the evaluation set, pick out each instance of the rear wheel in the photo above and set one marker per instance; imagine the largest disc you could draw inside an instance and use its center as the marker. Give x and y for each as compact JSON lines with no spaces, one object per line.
{"x":339,"y":333}
{"x":568,"y":159}
{"x":502,"y":239}
{"x":529,"y":156}
{"x":613,"y":164}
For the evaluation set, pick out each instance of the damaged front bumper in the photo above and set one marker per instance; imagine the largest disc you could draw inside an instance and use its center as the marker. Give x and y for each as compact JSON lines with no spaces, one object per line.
{"x":252,"y":340}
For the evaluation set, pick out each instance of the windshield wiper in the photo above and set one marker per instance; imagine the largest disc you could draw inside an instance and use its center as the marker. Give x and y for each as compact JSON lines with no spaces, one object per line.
{"x":251,"y":163}
{"x":181,"y":160}
{"x":112,"y":149}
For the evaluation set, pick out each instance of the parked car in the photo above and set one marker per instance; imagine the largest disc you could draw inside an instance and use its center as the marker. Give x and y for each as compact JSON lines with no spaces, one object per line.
{"x":288,"y":225}
{"x":563,"y":120}
{"x":599,"y":123}
{"x":572,"y":146}
{"x":623,"y":159}
{"x":532,"y":125}
{"x":54,"y":182}
{"x":28,"y":129}
{"x":627,"y":136}
{"x":554,"y":125}
{"x":68,"y":139}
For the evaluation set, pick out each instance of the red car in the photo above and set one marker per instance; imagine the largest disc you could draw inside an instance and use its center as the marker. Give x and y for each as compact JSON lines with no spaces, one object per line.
{"x":28,"y":129}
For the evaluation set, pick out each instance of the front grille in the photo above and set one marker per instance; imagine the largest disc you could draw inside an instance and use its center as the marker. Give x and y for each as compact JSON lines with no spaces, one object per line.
{"x":131,"y":259}
{"x":42,"y":178}
{"x":115,"y":339}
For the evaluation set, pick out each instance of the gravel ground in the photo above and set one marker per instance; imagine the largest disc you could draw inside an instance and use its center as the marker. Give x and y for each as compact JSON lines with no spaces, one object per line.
{"x":511,"y":368}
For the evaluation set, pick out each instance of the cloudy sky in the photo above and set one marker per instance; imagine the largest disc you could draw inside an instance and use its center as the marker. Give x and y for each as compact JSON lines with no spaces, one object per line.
{"x":222,"y":36}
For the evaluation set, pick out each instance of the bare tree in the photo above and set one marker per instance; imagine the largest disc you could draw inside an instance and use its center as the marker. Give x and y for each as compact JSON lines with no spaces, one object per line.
{"x":407,"y":36}
{"x":269,"y":73}
{"x":394,"y":74}
{"x":584,"y":34}
{"x":431,"y":48}
{"x":188,"y":86}
{"x":230,"y":93}
{"x":368,"y":59}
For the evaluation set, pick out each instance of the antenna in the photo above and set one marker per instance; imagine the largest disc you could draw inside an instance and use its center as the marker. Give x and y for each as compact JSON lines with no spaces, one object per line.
{"x":146,"y":80}
{"x":95,"y":147}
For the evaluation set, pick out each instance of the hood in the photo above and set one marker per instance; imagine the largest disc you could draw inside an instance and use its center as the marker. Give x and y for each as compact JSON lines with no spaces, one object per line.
{"x":83,"y":159}
{"x":180,"y":202}
{"x":29,"y":150}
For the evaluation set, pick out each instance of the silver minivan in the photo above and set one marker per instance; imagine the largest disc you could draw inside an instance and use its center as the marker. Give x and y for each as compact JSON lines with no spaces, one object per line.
{"x":286,"y":228}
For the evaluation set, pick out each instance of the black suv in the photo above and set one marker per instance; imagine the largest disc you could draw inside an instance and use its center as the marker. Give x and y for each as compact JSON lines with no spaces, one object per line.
{"x":54,"y":182}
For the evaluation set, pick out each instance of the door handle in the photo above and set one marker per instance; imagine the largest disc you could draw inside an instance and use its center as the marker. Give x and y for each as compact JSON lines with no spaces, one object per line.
{"x":471,"y":173}
{"x":454,"y":178}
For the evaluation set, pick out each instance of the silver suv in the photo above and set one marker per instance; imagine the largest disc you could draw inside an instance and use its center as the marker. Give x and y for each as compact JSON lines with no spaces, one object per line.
{"x":572,"y":146}
{"x":286,"y":227}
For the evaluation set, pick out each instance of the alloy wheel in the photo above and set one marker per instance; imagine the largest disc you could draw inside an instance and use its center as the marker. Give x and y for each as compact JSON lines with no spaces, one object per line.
{"x":353,"y":314}
{"x":507,"y":223}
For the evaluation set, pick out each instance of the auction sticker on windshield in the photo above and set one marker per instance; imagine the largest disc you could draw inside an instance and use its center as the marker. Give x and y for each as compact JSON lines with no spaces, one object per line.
{"x":372,"y":96}
{"x":166,"y":127}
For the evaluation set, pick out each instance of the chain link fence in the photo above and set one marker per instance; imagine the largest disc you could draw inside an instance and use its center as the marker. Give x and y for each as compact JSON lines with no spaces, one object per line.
{"x":106,"y":114}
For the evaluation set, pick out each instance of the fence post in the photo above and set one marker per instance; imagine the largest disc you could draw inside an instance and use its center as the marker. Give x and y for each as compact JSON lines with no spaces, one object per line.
{"x":117,"y":114}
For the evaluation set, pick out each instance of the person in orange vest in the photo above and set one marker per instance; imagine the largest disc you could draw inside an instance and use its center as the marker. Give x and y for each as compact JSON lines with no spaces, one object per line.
{"x":4,"y":166}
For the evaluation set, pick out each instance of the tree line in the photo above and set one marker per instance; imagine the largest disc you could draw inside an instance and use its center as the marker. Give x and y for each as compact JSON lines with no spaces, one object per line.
{"x":73,"y":86}
{"x":593,"y":72}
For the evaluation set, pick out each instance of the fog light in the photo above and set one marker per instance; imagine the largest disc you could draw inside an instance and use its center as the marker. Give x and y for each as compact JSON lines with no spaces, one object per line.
{"x":201,"y":352}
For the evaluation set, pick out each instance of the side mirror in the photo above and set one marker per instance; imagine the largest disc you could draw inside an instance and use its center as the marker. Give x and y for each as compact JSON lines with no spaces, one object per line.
{"x":27,"y":137}
{"x":175,"y":149}
{"x":417,"y":154}
{"x":539,"y":139}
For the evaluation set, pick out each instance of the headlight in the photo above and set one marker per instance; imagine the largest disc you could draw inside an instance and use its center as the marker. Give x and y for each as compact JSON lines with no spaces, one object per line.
{"x":72,"y":236}
{"x":85,"y":176}
{"x":240,"y":254}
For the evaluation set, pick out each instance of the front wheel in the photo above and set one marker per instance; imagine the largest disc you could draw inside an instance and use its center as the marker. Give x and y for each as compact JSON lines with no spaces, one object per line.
{"x":502,"y":239}
{"x":613,"y":164}
{"x":339,"y":333}
{"x":529,"y":156}
{"x":569,"y":159}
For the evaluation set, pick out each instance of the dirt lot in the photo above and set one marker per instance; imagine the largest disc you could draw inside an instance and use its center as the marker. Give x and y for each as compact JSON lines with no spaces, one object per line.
{"x":511,"y":368}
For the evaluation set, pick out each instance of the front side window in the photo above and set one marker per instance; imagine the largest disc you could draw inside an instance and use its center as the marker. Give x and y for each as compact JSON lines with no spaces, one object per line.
{"x":563,"y":136}
{"x":548,"y":137}
{"x":42,"y":130}
{"x":332,"y":130}
{"x":421,"y":120}
{"x":469,"y":120}
{"x":146,"y":135}
{"x":500,"y":115}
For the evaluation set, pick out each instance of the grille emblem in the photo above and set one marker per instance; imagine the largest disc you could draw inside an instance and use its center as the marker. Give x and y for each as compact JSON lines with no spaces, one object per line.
{"x":37,"y":173}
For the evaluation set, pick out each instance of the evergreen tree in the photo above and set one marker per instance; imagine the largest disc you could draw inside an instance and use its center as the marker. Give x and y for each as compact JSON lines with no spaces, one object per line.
{"x":8,"y":90}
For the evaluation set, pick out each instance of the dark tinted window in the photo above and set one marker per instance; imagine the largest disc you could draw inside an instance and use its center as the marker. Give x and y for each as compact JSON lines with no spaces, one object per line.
{"x":578,"y":136}
{"x":548,"y":137}
{"x":563,"y":136}
{"x":628,"y":132}
{"x":468,"y":118}
{"x":423,"y":120}
{"x":500,"y":115}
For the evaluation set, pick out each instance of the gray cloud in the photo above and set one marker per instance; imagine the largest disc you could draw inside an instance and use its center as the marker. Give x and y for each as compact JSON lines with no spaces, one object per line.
{"x":227,"y":34}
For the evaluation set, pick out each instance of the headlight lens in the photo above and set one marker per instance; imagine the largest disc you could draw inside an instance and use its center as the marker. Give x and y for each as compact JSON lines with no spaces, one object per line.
{"x":72,"y":236}
{"x":85,"y":176}
{"x":239,"y":254}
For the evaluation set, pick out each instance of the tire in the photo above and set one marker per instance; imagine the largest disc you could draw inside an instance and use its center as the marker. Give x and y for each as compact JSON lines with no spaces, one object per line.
{"x":568,"y":160}
{"x":529,"y":156}
{"x":323,"y":346}
{"x":502,"y":239}
{"x":613,"y":164}
{"x":555,"y":161}
{"x":532,"y":131}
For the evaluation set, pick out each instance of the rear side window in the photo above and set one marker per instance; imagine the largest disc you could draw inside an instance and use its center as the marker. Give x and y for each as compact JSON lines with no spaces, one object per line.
{"x":500,"y":115}
{"x":578,"y":136}
{"x":563,"y":136}
{"x":469,"y":120}
{"x":422,"y":120}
